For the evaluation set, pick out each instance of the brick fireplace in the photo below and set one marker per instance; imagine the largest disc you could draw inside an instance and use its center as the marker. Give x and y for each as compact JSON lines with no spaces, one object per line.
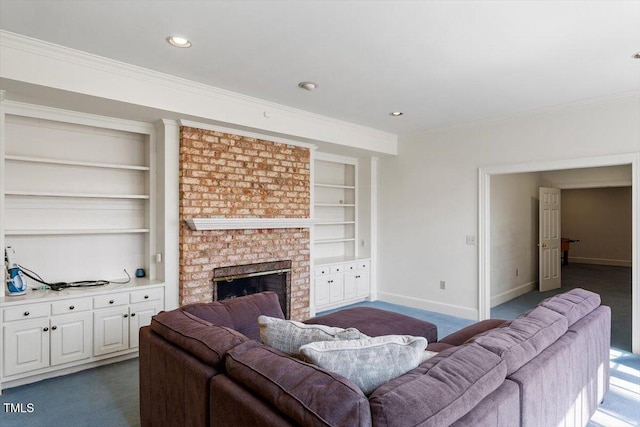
{"x":231,"y":176}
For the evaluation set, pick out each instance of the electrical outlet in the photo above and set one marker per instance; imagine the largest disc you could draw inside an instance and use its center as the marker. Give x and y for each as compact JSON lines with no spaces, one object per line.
{"x":471,"y":240}
{"x":442,"y":284}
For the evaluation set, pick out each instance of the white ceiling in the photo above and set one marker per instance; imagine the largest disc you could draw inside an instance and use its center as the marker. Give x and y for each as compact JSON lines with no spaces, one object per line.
{"x":441,"y":62}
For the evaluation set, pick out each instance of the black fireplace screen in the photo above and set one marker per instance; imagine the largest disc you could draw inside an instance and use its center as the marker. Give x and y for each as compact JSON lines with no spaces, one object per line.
{"x":236,"y":281}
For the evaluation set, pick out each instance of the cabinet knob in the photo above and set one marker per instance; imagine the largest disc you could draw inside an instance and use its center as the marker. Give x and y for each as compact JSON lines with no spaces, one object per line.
{"x":72,"y":307}
{"x":53,"y":328}
{"x":45,"y":329}
{"x":357,"y":277}
{"x":133,"y":314}
{"x":26,"y":313}
{"x":322,"y":271}
{"x":126,"y":315}
{"x":110,"y":301}
{"x":146,"y":297}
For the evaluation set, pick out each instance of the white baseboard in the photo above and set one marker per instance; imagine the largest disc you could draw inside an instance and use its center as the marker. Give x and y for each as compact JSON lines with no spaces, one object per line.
{"x":423,"y":304}
{"x":513,"y":293}
{"x":600,"y":261}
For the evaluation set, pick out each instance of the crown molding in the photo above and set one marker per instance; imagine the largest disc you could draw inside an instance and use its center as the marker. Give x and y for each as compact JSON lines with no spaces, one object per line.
{"x":539,"y":112}
{"x":240,"y":132}
{"x":269,"y":110}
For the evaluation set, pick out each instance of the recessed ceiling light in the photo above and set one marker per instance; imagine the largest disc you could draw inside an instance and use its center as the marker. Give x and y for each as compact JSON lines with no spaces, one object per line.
{"x":179,"y":41}
{"x":396,"y":113}
{"x":308,"y":86}
{"x":637,"y":55}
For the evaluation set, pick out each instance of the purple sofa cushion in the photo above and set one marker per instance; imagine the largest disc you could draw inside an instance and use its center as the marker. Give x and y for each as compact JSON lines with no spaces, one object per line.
{"x":307,"y":394}
{"x":240,"y":313}
{"x":439,"y":391}
{"x":573,"y":305}
{"x":207,"y":342}
{"x":525,"y":337}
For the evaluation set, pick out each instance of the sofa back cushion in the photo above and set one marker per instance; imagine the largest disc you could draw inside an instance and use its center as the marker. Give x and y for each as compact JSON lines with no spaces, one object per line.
{"x":439,"y":391}
{"x":205,"y":341}
{"x":240,"y":313}
{"x":307,"y":394}
{"x":525,"y":337}
{"x":573,"y":305}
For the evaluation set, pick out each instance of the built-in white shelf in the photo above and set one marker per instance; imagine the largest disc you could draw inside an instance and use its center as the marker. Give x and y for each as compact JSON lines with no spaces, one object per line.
{"x":75,"y":195}
{"x":336,"y":240}
{"x":336,"y":205}
{"x":75,"y":232}
{"x":74,"y":163}
{"x":344,"y":187}
{"x":335,"y":222}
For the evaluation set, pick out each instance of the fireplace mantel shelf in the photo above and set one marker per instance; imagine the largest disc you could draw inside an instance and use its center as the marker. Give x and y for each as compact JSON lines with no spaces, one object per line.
{"x":247,"y":223}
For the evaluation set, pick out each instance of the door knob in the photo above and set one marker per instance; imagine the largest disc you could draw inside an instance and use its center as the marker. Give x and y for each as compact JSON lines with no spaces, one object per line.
{"x":544,"y":245}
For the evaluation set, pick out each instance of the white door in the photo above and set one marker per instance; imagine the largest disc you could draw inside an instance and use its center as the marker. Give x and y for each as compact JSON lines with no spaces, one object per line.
{"x":140,"y":316}
{"x":549,"y":240}
{"x":336,"y":287}
{"x":70,"y":338}
{"x":26,"y":346}
{"x":110,"y":330}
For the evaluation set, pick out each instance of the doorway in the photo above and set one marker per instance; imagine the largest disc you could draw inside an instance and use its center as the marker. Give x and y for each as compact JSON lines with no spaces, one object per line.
{"x":485,"y":225}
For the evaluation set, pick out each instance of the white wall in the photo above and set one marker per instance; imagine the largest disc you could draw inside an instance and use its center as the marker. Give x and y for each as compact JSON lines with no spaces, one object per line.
{"x":428,"y":194}
{"x":514,"y":235}
{"x":601,"y":219}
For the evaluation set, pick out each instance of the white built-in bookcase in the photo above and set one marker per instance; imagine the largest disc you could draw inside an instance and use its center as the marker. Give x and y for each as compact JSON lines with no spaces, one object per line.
{"x":335,"y":208}
{"x":77,"y":193}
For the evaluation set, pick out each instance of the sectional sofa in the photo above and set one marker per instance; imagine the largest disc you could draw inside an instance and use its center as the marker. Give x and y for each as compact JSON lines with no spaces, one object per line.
{"x":204,"y":365}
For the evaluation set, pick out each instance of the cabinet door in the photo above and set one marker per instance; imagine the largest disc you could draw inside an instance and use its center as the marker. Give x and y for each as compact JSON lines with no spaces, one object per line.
{"x":350,"y":285}
{"x":140,"y":316}
{"x":110,"y":330}
{"x":70,"y":338}
{"x":321,"y":291}
{"x":362,"y":283}
{"x":26,"y":346}
{"x":336,"y":288}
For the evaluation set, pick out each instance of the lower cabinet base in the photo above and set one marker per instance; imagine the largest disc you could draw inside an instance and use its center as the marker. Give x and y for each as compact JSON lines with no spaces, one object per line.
{"x":22,"y":380}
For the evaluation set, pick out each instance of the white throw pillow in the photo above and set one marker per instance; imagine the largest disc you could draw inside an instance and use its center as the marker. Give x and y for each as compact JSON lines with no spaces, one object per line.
{"x":288,"y":335}
{"x":369,"y":362}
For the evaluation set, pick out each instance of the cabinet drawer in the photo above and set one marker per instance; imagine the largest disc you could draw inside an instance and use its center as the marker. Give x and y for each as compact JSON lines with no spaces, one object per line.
{"x":339,"y":268}
{"x":322,"y":270}
{"x":146,"y":295}
{"x":24,"y":312}
{"x":350,"y":266}
{"x":363,"y":264}
{"x":70,"y":306}
{"x":110,"y":300}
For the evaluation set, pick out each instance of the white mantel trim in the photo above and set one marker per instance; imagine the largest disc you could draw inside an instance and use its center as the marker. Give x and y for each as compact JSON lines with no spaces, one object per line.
{"x":247,"y":223}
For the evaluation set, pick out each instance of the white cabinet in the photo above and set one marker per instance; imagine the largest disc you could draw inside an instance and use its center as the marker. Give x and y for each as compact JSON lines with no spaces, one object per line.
{"x":57,"y":331}
{"x":55,"y":338}
{"x":26,"y":345}
{"x":70,"y":338}
{"x":116,"y":327}
{"x":340,"y":284}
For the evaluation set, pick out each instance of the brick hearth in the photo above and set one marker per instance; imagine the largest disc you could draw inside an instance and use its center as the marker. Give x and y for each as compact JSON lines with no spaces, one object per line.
{"x":224,"y":175}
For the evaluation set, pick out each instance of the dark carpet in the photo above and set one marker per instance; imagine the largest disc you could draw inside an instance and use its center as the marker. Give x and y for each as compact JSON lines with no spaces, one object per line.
{"x":613,"y":284}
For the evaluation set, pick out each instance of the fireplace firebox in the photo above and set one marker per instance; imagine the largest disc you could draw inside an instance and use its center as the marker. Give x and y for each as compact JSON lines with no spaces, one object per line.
{"x":239,"y":280}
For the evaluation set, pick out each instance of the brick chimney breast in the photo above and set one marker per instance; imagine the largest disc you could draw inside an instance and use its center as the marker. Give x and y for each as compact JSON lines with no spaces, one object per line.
{"x":232,"y":176}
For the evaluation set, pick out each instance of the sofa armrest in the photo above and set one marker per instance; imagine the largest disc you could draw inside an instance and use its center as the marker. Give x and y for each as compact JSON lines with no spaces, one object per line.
{"x":464,"y":334}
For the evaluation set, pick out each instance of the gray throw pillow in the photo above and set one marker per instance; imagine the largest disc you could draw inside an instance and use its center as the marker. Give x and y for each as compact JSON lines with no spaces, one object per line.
{"x":288,"y":335}
{"x":369,"y":362}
